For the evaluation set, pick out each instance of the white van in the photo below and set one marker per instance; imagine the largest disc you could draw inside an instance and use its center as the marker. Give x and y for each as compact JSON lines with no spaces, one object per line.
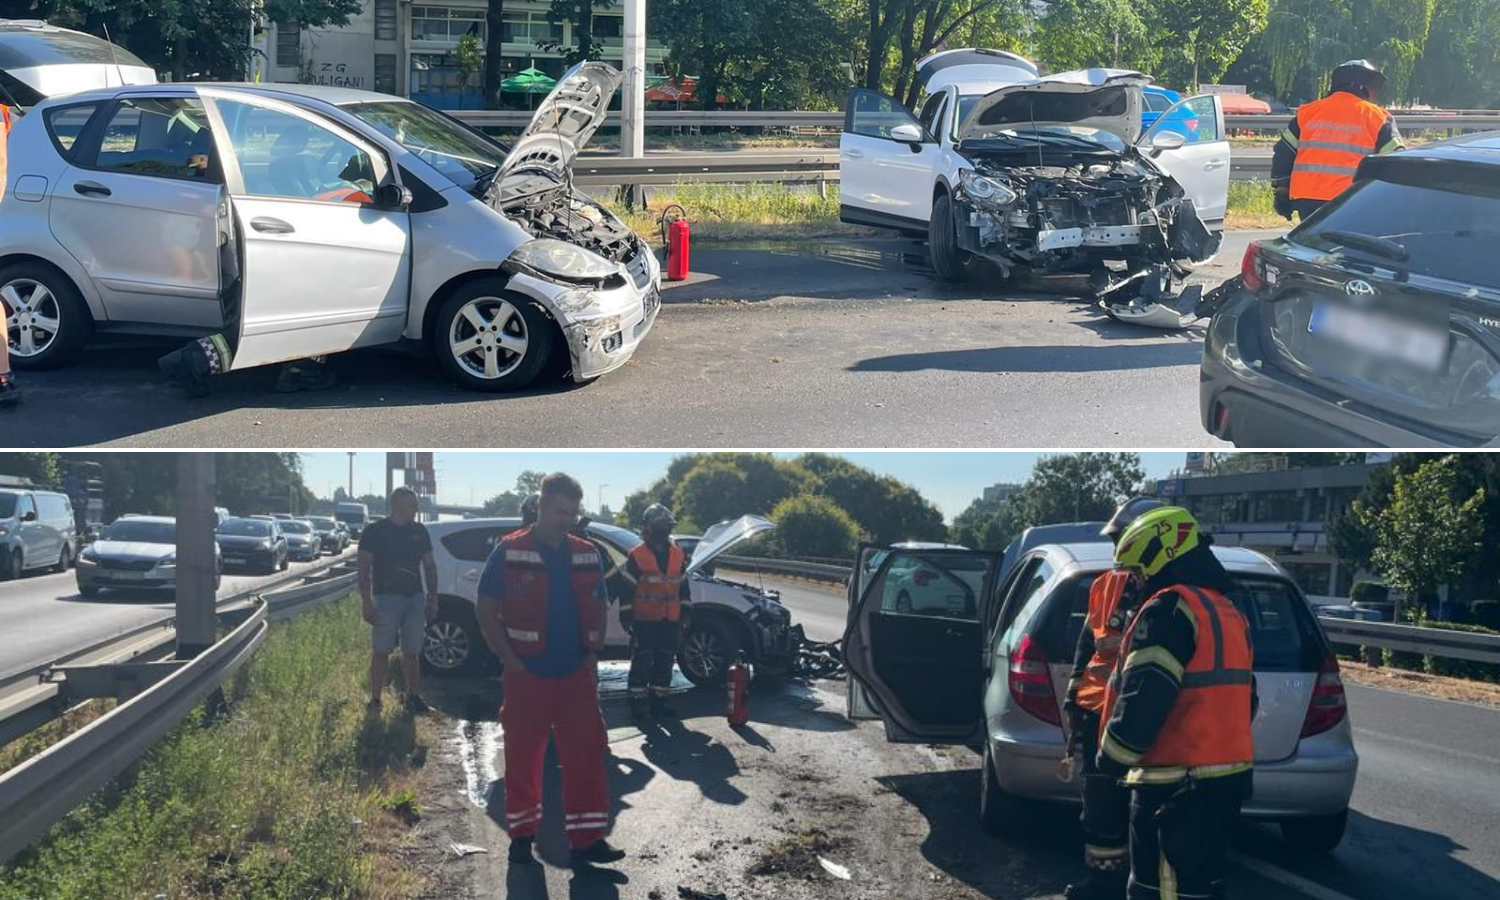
{"x":37,"y":531}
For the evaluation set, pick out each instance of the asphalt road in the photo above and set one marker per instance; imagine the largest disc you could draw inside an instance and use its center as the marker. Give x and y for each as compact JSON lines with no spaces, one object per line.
{"x":1426,"y":804}
{"x":43,"y":617}
{"x":793,"y":344}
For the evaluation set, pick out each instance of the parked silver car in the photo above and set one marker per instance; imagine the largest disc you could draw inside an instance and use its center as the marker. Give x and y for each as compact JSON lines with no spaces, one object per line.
{"x":300,"y":220}
{"x":134,"y":553}
{"x":990,"y":672}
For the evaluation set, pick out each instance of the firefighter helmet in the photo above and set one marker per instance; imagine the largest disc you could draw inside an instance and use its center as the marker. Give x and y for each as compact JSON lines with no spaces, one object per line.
{"x":1359,"y":74}
{"x":1128,"y":512}
{"x":1156,"y":538}
{"x":655,"y":515}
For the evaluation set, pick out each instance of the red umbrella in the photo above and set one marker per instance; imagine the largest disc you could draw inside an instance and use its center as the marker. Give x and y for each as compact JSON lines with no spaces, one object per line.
{"x":672,"y":92}
{"x":1243,"y":104}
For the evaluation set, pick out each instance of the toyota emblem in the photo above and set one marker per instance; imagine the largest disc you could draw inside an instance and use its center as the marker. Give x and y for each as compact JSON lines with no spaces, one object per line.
{"x":1359,"y":288}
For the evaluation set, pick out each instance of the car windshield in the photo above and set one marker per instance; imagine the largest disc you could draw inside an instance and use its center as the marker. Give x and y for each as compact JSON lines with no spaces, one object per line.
{"x":144,"y":532}
{"x":246,"y":528}
{"x":462,"y":155}
{"x":1444,"y":232}
{"x":323,"y":524}
{"x":296,"y":528}
{"x":7,"y":505}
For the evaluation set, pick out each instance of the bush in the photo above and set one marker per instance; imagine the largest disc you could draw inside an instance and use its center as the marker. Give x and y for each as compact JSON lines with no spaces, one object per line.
{"x":1369,"y":592}
{"x":1462,"y":668}
{"x":1486,"y":613}
{"x":809,"y":525}
{"x":1403,"y":659}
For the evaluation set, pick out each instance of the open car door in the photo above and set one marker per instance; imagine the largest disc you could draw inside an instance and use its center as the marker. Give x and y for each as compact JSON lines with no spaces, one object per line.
{"x":886,"y":160}
{"x":915,"y":640}
{"x":324,"y":253}
{"x":1201,"y":162}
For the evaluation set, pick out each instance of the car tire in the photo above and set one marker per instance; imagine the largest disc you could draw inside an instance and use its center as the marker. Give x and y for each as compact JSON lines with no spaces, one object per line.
{"x":15,"y":565}
{"x":708,"y":647}
{"x":64,"y":560}
{"x":507,"y":314}
{"x":286,"y":562}
{"x":1315,"y":834}
{"x":1001,"y":813}
{"x":948,"y":261}
{"x":90,"y":590}
{"x":62,"y":304}
{"x":453,"y":646}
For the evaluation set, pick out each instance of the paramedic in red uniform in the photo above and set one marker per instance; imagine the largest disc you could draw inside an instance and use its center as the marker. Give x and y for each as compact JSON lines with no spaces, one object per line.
{"x":542,"y":609}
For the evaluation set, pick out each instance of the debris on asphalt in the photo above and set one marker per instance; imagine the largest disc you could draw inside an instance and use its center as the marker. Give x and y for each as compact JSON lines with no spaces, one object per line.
{"x":687,"y":893}
{"x":834,"y":869}
{"x":462,"y":850}
{"x":798,"y":855}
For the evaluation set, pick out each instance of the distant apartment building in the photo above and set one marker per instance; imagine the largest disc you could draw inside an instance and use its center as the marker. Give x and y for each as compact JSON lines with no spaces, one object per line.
{"x":1000,"y":493}
{"x":1283,"y":514}
{"x":408,"y":49}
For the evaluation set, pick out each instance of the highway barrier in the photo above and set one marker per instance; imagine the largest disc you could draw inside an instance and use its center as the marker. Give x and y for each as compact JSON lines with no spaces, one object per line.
{"x":155,"y":697}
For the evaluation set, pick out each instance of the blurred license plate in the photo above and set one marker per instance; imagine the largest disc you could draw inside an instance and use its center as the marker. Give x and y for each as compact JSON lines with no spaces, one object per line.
{"x":128,"y":576}
{"x":234,"y":560}
{"x":1380,"y":335}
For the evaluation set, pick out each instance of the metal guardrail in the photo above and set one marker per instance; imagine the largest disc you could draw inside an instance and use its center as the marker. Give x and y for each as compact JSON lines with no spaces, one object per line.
{"x":1414,"y":639}
{"x":814,"y":571}
{"x":44,"y":789}
{"x":1415,"y":120}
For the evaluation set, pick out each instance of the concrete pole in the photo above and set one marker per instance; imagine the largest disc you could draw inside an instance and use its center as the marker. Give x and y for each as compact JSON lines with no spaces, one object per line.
{"x":197,"y":565}
{"x":351,"y":474}
{"x":633,"y":93}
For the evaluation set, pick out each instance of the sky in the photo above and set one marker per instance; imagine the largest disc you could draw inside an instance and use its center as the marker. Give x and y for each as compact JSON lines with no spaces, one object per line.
{"x":950,"y":479}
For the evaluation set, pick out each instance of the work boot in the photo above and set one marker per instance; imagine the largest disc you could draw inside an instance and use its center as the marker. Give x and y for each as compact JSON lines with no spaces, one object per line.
{"x":600,"y":852}
{"x":520,"y":851}
{"x":660,"y":706}
{"x":640,"y":709}
{"x":10,"y":394}
{"x":1098,"y":885}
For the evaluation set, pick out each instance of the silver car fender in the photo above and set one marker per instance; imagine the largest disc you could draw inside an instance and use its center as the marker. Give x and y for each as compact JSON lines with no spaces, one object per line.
{"x":463,"y":238}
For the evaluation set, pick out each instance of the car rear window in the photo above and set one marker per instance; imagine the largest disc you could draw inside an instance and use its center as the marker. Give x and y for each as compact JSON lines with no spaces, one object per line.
{"x":475,"y":544}
{"x":65,"y":124}
{"x":1283,"y":629}
{"x":1447,"y":231}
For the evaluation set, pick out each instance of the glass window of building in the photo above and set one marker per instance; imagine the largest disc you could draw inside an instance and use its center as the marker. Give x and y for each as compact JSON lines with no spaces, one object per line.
{"x":608,"y":26}
{"x":385,"y":73}
{"x":445,"y":24}
{"x":1277,"y":506}
{"x":386,"y":16}
{"x":1311,"y":577}
{"x":288,"y":44}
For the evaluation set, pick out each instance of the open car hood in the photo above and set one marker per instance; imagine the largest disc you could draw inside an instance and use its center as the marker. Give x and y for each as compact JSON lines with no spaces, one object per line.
{"x":725,"y":535}
{"x":1104,"y":99}
{"x":566,"y":120}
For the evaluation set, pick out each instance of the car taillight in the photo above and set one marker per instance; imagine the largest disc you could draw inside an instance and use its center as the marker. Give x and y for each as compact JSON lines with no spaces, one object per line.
{"x":1328,"y":706}
{"x":1250,"y":267}
{"x":1031,"y":681}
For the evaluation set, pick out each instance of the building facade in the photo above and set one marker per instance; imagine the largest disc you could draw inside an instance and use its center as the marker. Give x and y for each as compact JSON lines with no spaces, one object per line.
{"x":1283,"y":514}
{"x":409,"y":48}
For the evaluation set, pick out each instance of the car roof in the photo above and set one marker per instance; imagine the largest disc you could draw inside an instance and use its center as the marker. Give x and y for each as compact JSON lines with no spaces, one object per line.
{"x":337,"y":96}
{"x":1478,"y":153}
{"x":1099,"y":555}
{"x":132,"y":517}
{"x":926,"y":545}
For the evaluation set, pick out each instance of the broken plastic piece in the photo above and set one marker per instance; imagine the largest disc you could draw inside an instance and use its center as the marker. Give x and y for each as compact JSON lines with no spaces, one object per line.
{"x":462,"y":850}
{"x":834,"y":869}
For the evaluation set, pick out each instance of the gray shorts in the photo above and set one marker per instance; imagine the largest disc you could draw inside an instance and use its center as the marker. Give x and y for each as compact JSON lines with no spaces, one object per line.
{"x":399,"y":619}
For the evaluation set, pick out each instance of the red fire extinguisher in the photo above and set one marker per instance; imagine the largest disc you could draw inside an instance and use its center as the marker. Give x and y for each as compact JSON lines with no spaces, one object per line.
{"x":677,"y":236}
{"x":738,"y":678}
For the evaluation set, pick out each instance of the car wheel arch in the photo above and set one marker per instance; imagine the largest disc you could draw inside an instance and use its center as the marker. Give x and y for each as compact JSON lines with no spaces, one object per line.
{"x":735,"y":622}
{"x":78,"y":280}
{"x":462,"y":280}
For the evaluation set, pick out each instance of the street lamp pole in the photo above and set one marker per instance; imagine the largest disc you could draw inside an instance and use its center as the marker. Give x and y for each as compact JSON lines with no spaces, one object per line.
{"x":633,"y":91}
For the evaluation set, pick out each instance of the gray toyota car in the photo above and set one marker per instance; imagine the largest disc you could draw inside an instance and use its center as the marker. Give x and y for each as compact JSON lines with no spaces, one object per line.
{"x":299,"y":220}
{"x":986,"y":664}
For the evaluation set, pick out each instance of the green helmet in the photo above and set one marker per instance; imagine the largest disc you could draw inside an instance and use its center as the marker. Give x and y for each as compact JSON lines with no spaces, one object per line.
{"x":1157,"y":538}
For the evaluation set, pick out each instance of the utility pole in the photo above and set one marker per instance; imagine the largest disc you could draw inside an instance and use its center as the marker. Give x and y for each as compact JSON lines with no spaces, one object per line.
{"x":197,"y":565}
{"x":633,"y":93}
{"x":351,"y":474}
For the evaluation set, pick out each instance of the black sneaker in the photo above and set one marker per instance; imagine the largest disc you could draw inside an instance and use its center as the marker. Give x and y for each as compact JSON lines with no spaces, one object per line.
{"x":520,"y":851}
{"x":10,"y":394}
{"x":600,"y":852}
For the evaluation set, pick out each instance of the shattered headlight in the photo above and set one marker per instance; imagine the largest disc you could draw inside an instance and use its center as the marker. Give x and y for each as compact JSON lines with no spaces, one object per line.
{"x":561,"y":259}
{"x":985,"y":191}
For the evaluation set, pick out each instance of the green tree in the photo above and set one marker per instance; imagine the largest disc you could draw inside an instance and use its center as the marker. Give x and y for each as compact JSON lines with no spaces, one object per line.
{"x":885,"y":508}
{"x":40,"y":468}
{"x":1204,"y":36}
{"x":581,"y":14}
{"x":1430,"y":529}
{"x":810,"y":525}
{"x":468,"y":61}
{"x":1078,"y":487}
{"x":728,"y":485}
{"x":1075,"y":34}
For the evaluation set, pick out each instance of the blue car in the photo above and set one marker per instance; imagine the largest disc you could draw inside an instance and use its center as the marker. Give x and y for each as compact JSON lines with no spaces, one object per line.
{"x":1158,"y":100}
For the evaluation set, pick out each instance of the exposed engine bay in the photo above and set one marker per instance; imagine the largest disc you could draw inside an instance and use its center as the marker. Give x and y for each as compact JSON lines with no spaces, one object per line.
{"x":1122,"y":220}
{"x":546,"y":208}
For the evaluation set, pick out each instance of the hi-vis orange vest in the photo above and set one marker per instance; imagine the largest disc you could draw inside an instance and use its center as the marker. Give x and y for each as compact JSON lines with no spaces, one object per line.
{"x":658,"y":594}
{"x":523,"y":606}
{"x":5,"y":114}
{"x":1108,"y":629}
{"x":1334,"y":134}
{"x":1209,"y":724}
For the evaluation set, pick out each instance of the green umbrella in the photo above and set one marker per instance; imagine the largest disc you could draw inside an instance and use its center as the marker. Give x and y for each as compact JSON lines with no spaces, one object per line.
{"x":528,"y":81}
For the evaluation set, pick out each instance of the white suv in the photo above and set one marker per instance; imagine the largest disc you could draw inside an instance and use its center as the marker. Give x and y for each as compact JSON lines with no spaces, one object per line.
{"x":1045,"y":173}
{"x":729,"y":619}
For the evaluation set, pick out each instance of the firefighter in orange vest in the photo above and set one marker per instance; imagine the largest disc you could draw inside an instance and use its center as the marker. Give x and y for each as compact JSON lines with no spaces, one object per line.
{"x":655,"y":603}
{"x":1113,"y":598}
{"x":1318,"y":153}
{"x":542,"y":609}
{"x":1178,"y":709}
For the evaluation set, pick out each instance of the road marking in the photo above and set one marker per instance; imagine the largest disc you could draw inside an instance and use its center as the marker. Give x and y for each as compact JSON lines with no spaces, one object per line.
{"x":1281,"y":876}
{"x":1431,"y":748}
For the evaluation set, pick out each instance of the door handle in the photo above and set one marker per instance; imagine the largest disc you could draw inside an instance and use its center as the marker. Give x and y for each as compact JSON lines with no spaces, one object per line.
{"x":267,"y":225}
{"x":1213,"y":164}
{"x":855,"y":154}
{"x":90,"y":188}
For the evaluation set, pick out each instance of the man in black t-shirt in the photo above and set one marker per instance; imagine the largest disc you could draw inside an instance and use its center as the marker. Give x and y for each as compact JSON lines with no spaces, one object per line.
{"x":394,"y":555}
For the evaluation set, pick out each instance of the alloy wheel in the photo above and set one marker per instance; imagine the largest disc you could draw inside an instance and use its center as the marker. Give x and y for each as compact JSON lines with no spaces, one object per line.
{"x":446,"y":646}
{"x":35,"y":316}
{"x":488,"y":337}
{"x":704,"y":652}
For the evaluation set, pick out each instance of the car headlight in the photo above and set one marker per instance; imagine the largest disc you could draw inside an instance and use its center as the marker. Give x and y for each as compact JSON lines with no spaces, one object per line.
{"x":264,"y":545}
{"x":985,"y":191}
{"x":561,"y":259}
{"x":86,"y":558}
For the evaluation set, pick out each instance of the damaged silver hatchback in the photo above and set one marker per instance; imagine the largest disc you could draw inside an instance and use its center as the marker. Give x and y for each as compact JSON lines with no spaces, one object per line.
{"x":1046,"y":174}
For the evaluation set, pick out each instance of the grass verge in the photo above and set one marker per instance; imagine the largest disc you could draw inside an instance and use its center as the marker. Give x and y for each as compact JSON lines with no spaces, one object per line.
{"x":291,"y":792}
{"x":735,"y":212}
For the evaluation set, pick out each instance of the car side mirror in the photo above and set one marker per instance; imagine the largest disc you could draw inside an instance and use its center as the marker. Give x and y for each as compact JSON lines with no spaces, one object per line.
{"x":393,"y":196}
{"x":29,"y":516}
{"x":908,"y":134}
{"x":1167,"y":140}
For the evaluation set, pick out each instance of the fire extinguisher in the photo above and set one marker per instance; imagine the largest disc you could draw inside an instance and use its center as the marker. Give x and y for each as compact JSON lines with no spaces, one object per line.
{"x":738,"y":679}
{"x":677,"y":236}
